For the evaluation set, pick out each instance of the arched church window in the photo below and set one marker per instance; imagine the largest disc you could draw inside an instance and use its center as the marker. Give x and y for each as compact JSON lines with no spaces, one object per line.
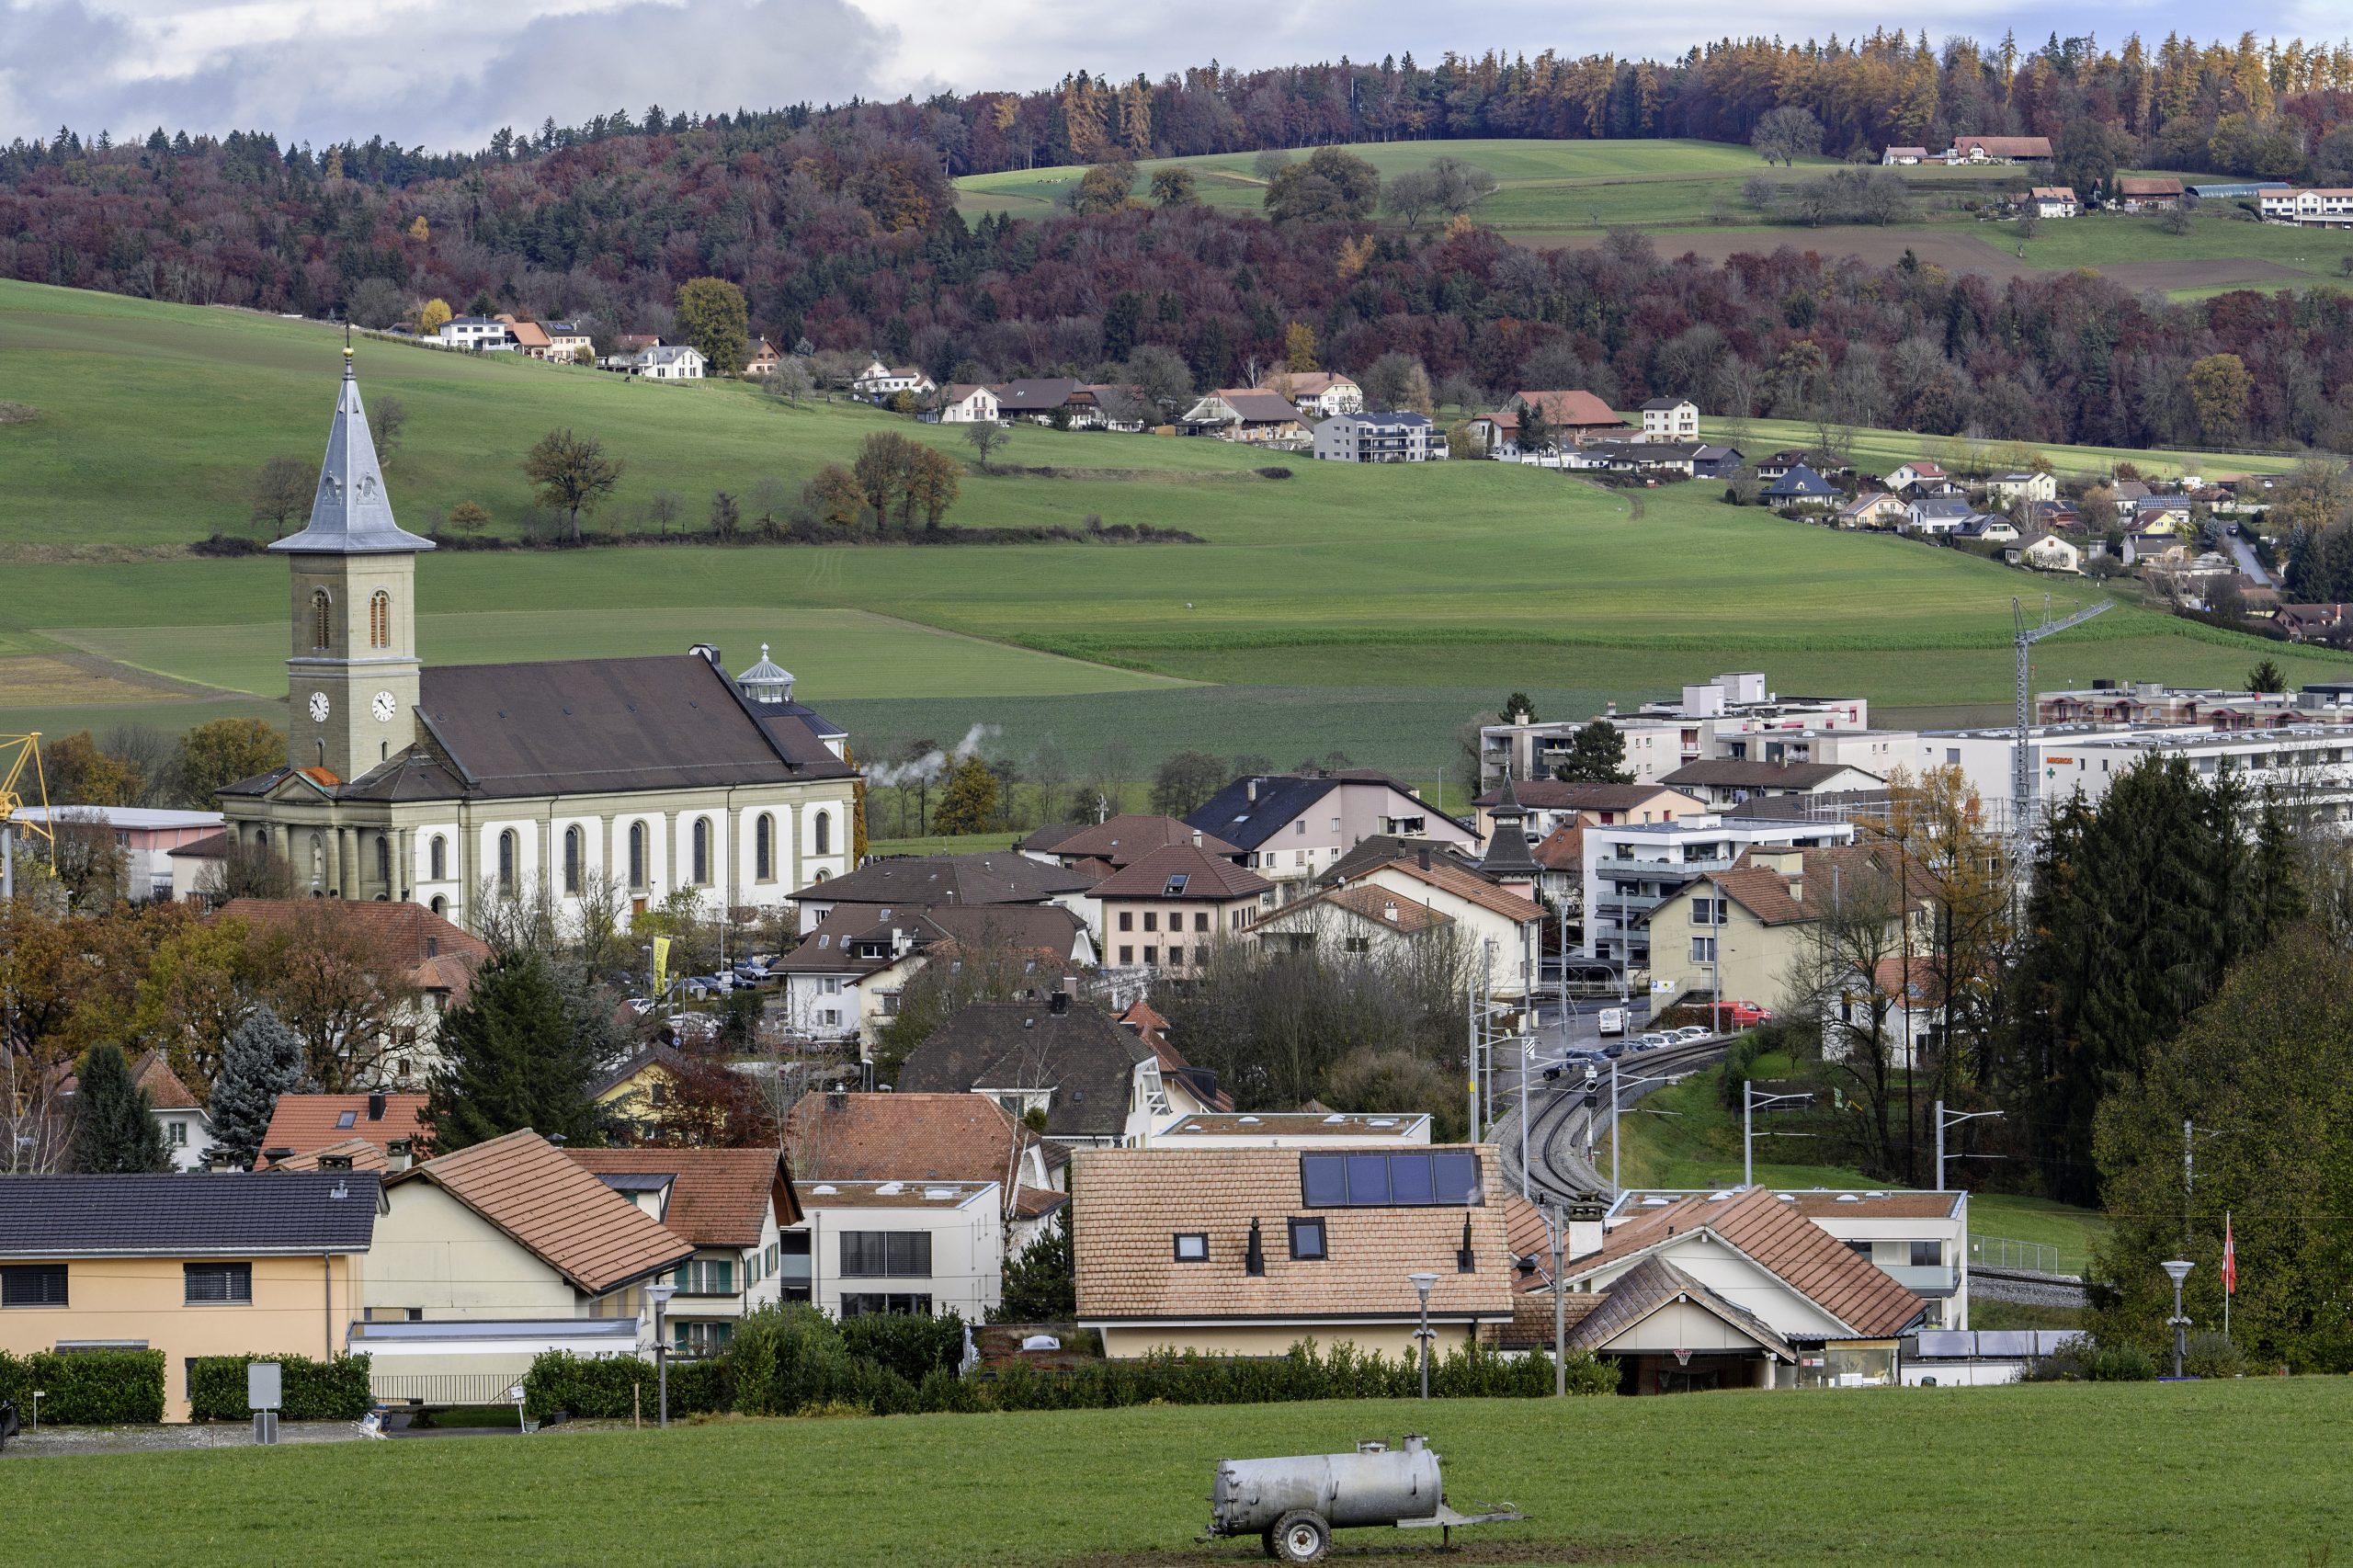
{"x":437,"y":852}
{"x":322,"y":618}
{"x":764,"y":847}
{"x":507,"y":861}
{"x":702,"y":851}
{"x":379,"y":619}
{"x":572,"y":842}
{"x":824,"y":833}
{"x":383,"y":859}
{"x":637,"y":855}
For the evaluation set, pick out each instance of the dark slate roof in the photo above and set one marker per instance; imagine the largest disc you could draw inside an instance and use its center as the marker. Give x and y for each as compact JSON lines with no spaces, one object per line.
{"x":1245,"y":823}
{"x":1083,"y":1055}
{"x":1040,"y":394}
{"x":834,"y":946}
{"x":1506,"y":855}
{"x":995,"y":877}
{"x":586,"y":726}
{"x":186,"y":1215}
{"x":1800,"y":481}
{"x":1378,"y":850}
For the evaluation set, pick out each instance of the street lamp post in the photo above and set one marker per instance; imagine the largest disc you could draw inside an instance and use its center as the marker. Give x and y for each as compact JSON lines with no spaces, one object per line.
{"x":2178,"y":1270}
{"x":1422,"y":1283}
{"x":660,"y":1296}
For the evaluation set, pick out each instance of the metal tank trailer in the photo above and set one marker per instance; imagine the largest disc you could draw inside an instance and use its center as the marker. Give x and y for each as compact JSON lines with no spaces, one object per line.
{"x":1293,"y":1505}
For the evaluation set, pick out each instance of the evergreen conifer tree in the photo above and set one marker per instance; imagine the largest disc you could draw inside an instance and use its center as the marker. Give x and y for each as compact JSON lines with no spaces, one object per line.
{"x":1040,"y":1286}
{"x":261,"y":1061}
{"x":115,"y":1130}
{"x":510,"y":1059}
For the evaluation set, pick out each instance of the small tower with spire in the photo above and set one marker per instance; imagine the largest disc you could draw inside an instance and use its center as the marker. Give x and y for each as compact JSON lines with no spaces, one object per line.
{"x":352,"y":671}
{"x":766,"y":683}
{"x":1507,"y":859}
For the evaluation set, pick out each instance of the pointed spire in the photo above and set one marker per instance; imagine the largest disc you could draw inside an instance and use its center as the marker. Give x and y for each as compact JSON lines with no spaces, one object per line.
{"x":351,"y":513}
{"x":1507,"y":855}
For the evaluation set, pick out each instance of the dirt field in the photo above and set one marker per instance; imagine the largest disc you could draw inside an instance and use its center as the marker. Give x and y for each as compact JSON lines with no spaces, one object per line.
{"x":67,"y":680}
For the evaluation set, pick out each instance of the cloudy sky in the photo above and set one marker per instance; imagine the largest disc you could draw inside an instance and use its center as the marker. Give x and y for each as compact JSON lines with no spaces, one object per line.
{"x":447,"y":72}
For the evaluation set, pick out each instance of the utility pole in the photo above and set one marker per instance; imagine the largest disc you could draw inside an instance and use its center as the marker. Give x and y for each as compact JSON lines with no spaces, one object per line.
{"x":1556,"y":1220}
{"x":2022,"y":789}
{"x":1523,"y":1043}
{"x":1944,"y":1121}
{"x":1471,"y":1049}
{"x":2188,"y":1181}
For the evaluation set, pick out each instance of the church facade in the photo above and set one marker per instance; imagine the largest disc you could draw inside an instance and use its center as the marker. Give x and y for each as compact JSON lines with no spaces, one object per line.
{"x":630,"y":777}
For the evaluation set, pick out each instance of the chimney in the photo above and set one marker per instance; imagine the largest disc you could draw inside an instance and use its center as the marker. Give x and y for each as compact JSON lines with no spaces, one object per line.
{"x":1390,"y":913}
{"x":557,"y":1138}
{"x":1252,"y":788}
{"x":1255,"y":1263}
{"x":399,"y":1154}
{"x":1058,"y":1003}
{"x":376,"y":1105}
{"x":838,"y":1099}
{"x":1196,"y":838}
{"x":1425,"y":857}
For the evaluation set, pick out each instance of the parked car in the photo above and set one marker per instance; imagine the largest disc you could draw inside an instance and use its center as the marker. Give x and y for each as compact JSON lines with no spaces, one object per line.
{"x":1743,"y":1014}
{"x":1612,"y":1020}
{"x":1653,"y":1042}
{"x":1687,"y":1034}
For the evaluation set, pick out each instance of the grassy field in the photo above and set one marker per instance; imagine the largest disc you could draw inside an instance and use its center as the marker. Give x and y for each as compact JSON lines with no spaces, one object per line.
{"x":1879,"y":450}
{"x":2139,"y":1474}
{"x":2103,"y":239}
{"x":1359,"y":610}
{"x":1684,"y":1137}
{"x":1543,"y":186}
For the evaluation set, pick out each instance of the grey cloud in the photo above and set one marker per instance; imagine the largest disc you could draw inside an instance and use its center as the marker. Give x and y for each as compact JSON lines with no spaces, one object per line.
{"x":444,"y":75}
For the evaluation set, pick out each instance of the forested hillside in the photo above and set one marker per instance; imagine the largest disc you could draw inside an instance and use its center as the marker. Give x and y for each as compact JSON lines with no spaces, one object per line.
{"x":840,"y":226}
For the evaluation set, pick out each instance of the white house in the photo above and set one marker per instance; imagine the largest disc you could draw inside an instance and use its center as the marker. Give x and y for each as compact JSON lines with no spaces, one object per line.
{"x":2046,"y":552}
{"x":1319,"y":391}
{"x":926,"y":1247}
{"x":670,"y":362}
{"x":1670,"y":419}
{"x":1373,"y":439}
{"x":2020,"y":484}
{"x":1937,"y":515}
{"x":2052,"y":202}
{"x":964,"y":405}
{"x":2330,"y":207}
{"x":474,"y":333}
{"x":879,"y":380}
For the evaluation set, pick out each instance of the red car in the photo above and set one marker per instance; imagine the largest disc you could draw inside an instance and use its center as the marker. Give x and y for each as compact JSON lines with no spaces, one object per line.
{"x":1743,"y":1014}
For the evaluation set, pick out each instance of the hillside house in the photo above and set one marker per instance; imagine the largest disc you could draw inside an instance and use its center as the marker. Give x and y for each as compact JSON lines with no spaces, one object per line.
{"x":1798,"y":488}
{"x":880,"y":383}
{"x":1670,"y":419}
{"x":1895,"y":156}
{"x":1572,"y":417}
{"x":1915,"y":479}
{"x":1246,"y":414}
{"x":1939,"y":515}
{"x":762,"y":361}
{"x":670,"y":362}
{"x":1317,"y":393}
{"x":2052,"y":202}
{"x":1375,"y":438}
{"x":964,"y":404}
{"x":474,"y":334}
{"x":2020,"y":484}
{"x":1999,"y":150}
{"x":2149,"y":195}
{"x":1876,"y":510}
{"x":2330,"y":207}
{"x":2046,"y":552}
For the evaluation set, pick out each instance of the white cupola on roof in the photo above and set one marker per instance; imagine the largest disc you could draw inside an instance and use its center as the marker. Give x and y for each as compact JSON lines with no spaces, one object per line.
{"x":766,"y":681}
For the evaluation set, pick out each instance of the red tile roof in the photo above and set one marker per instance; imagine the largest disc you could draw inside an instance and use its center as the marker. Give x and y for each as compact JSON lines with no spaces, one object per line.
{"x":556,"y":1209}
{"x":1125,"y":839}
{"x":909,"y":1137}
{"x":307,"y":1123}
{"x":719,"y":1197}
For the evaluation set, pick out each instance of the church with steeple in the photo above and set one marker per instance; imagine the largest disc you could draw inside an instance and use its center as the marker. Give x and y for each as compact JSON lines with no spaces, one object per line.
{"x":588,"y":779}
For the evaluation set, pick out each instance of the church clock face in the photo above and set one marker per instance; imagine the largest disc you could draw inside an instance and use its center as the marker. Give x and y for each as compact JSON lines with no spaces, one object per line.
{"x":318,"y":708}
{"x":381,"y":705}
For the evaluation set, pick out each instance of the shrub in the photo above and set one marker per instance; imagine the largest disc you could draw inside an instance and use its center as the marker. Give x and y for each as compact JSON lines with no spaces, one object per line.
{"x":311,"y":1391}
{"x":613,"y":1388}
{"x":87,"y":1388}
{"x":910,"y":1346}
{"x":2084,"y":1359}
{"x":787,"y":1358}
{"x":2213,"y":1356}
{"x":1275,"y":473}
{"x":226,"y":544}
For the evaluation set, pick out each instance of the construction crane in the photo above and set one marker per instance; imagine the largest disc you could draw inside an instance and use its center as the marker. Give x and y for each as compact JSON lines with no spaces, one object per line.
{"x":20,"y":756}
{"x":2022,"y":778}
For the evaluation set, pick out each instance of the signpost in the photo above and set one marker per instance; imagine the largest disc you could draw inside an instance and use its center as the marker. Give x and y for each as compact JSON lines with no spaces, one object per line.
{"x":264,"y":1386}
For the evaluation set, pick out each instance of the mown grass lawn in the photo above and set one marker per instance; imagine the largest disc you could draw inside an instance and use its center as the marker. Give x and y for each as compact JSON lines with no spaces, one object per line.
{"x":2100,"y":239}
{"x":2134,"y":1474}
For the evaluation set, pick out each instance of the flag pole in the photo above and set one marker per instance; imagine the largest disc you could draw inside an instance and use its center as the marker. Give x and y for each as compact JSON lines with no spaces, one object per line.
{"x":2230,"y":1271}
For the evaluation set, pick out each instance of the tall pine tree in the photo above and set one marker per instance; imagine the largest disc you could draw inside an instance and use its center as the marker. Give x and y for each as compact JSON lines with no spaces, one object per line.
{"x":115,"y":1130}
{"x":261,"y":1061}
{"x":510,"y":1059}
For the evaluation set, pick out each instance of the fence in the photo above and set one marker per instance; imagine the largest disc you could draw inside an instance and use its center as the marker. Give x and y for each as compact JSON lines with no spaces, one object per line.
{"x":2001,"y":1252}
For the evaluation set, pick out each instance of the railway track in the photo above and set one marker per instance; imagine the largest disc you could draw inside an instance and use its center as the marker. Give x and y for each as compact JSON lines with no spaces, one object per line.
{"x":1563,"y":1126}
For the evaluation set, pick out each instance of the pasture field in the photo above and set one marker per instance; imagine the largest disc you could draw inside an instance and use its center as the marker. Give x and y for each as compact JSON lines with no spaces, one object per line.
{"x":2096,"y":1474}
{"x":1879,"y":450}
{"x":1365,"y":610}
{"x":1544,"y":186}
{"x":2273,"y":253}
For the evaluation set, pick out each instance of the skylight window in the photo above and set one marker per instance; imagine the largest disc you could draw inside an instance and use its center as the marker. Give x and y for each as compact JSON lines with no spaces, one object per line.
{"x":1175,"y":888}
{"x":347,"y":1117}
{"x":1192,"y":1247}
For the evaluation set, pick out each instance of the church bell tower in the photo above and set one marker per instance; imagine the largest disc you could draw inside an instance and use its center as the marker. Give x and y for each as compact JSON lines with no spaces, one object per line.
{"x":352,"y":671}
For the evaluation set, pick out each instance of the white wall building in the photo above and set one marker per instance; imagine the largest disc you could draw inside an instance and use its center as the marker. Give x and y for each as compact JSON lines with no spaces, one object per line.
{"x":904,"y":1246}
{"x":1670,"y":419}
{"x":1630,"y":868}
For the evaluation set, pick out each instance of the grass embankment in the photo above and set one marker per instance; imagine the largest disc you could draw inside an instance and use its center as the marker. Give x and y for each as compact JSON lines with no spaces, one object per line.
{"x":2135,"y":1474}
{"x":1684,"y":1137}
{"x":1367,"y":611}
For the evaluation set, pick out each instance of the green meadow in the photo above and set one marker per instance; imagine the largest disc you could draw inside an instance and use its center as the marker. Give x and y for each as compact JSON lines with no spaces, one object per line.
{"x":2132,"y":1475}
{"x":1368,"y":611}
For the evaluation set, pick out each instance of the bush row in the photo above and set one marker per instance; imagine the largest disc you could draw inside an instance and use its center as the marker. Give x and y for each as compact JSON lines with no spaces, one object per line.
{"x":797,"y":1360}
{"x":310,"y":1391}
{"x":87,"y":1388}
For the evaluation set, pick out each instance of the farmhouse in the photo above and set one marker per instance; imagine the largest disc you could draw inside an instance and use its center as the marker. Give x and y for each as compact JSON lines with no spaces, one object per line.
{"x":1998,"y":149}
{"x":1317,"y":392}
{"x":627,"y":777}
{"x":1571,"y":416}
{"x":1894,"y":156}
{"x":2146,"y":195}
{"x":1245,"y":414}
{"x":1671,"y":419}
{"x":2052,"y":200}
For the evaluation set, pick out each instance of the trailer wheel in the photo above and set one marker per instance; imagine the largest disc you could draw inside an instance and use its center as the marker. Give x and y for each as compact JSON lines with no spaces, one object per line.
{"x":1300,"y":1536}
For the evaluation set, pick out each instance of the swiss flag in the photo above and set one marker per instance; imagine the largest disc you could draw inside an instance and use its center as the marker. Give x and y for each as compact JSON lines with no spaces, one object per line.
{"x":2230,"y":1258}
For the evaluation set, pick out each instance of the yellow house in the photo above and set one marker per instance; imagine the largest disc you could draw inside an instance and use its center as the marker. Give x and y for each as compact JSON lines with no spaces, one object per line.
{"x":1741,"y":934}
{"x":638,"y":1087}
{"x":188,"y":1264}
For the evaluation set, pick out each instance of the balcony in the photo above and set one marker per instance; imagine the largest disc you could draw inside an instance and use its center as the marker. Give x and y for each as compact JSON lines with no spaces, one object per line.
{"x":1932,"y":1282}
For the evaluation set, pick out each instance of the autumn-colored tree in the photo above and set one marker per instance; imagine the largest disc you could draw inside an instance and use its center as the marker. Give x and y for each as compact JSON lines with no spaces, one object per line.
{"x":881,"y":470}
{"x":931,"y":482}
{"x":1298,"y":346}
{"x":79,"y":774}
{"x":356,"y":1014}
{"x":469,"y":518}
{"x":420,"y":231}
{"x":432,"y":316}
{"x":711,"y":316}
{"x":1173,"y":187}
{"x":857,"y":809}
{"x":571,"y":475}
{"x":712,"y":1106}
{"x":1356,"y":254}
{"x":967,"y":804}
{"x":281,"y":492}
{"x":832,"y":497}
{"x":1105,"y":187}
{"x":200,"y":986}
{"x":220,"y":752}
{"x":2219,"y":389}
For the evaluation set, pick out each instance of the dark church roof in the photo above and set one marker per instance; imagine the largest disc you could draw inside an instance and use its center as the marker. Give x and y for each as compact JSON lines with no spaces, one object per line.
{"x":594,"y":726}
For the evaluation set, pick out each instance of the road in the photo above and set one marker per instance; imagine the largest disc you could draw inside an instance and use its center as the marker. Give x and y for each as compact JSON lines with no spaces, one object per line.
{"x":1564,"y":1129}
{"x":2248,"y":563}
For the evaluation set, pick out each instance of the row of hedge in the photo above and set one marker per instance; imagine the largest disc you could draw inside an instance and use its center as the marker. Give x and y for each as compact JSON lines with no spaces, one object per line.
{"x":794,"y":1360}
{"x":309,"y":1390}
{"x":87,"y":1388}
